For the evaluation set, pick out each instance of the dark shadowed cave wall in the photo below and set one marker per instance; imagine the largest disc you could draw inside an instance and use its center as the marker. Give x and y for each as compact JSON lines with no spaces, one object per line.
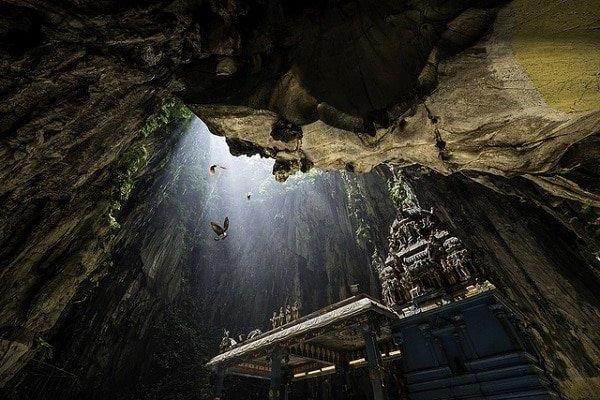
{"x":147,"y":327}
{"x":131,"y":312}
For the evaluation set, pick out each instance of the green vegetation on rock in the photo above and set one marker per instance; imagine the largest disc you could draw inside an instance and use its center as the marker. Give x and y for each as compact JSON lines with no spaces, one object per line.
{"x":136,"y":157}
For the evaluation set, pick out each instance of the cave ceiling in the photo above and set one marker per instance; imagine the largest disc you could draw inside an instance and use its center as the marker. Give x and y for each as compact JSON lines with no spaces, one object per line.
{"x":448,"y":85}
{"x":467,"y":86}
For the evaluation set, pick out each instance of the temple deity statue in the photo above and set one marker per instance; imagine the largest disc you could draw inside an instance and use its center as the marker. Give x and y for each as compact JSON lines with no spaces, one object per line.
{"x":226,"y":342}
{"x":390,"y":261}
{"x":415,"y":291}
{"x":435,"y":249}
{"x":388,"y":276}
{"x":458,"y":259}
{"x":274,"y":320}
{"x":376,"y":261}
{"x":296,"y":307}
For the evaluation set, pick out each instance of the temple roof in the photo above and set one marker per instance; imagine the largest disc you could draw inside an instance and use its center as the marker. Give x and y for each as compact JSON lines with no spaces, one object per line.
{"x":317,"y":340}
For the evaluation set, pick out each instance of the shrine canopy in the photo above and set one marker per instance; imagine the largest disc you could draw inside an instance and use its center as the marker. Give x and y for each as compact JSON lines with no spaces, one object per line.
{"x":316,"y":344}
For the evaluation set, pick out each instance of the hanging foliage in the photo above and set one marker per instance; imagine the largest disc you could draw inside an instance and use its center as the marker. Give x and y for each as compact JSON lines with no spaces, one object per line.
{"x":136,"y":157}
{"x":400,"y":191}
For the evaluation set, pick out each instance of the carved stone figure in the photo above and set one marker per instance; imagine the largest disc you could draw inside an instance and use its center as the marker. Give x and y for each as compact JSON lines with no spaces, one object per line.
{"x":274,"y":320}
{"x":415,"y":291}
{"x":458,"y":258}
{"x":458,"y":261}
{"x":435,"y":249}
{"x":394,"y":289}
{"x":253,"y":333}
{"x":296,"y":307}
{"x":226,"y":342}
{"x":388,"y":276}
{"x":288,"y":314}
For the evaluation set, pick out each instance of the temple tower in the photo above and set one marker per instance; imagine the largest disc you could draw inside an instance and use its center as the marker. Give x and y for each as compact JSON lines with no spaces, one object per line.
{"x":424,"y":261}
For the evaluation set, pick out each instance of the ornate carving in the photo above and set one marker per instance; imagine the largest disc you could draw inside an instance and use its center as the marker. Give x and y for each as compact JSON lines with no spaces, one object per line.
{"x":296,"y":308}
{"x":227,"y":342}
{"x":296,"y":332}
{"x":423,"y":259}
{"x":286,"y":314}
{"x":254,"y":333}
{"x":390,"y":284}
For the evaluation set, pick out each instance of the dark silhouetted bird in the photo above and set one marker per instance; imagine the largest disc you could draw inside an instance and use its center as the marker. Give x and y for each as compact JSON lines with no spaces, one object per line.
{"x":220,"y":231}
{"x":248,"y":195}
{"x":213,"y":169}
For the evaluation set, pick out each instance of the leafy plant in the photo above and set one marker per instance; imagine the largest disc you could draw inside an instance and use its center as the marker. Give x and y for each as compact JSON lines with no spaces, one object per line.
{"x":359,"y":217}
{"x":170,"y":111}
{"x":136,"y":157}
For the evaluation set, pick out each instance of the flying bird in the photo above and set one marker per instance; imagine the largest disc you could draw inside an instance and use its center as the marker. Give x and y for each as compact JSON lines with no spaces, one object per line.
{"x":248,"y":195}
{"x":220,"y":231}
{"x":213,"y":169}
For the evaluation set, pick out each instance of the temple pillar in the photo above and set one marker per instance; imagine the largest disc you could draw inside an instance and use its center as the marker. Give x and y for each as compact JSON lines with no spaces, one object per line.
{"x":342,"y":386}
{"x":376,"y":370}
{"x":463,"y":337}
{"x":287,"y":383}
{"x":218,"y":385}
{"x":433,"y":345}
{"x":394,"y":386}
{"x":502,"y":314}
{"x":275,"y":392}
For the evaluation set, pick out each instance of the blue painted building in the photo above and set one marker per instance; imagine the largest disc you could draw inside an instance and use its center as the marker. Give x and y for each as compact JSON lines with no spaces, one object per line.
{"x":475,"y":348}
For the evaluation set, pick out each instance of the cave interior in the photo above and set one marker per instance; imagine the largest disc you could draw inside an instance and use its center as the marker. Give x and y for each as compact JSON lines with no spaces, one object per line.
{"x":324,"y":200}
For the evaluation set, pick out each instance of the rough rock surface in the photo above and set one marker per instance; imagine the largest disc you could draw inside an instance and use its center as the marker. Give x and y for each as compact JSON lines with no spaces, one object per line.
{"x":78,"y":80}
{"x":485,"y":116}
{"x":77,"y":85}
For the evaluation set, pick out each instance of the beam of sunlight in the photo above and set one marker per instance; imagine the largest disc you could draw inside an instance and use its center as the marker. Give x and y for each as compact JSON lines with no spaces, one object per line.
{"x":281,"y":240}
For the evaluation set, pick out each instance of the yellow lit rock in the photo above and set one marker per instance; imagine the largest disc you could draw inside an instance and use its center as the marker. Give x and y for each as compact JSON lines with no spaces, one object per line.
{"x":558,"y":45}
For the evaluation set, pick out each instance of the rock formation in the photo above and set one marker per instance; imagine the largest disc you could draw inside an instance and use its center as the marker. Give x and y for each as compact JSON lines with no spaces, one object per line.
{"x":159,"y":311}
{"x":463,"y":87}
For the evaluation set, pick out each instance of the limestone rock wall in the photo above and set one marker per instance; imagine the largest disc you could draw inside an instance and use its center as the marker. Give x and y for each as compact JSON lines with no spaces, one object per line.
{"x":76,"y":94}
{"x":79,"y":79}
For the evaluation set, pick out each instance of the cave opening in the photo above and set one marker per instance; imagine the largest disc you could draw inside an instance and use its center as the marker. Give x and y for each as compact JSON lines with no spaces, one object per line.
{"x":292,"y":242}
